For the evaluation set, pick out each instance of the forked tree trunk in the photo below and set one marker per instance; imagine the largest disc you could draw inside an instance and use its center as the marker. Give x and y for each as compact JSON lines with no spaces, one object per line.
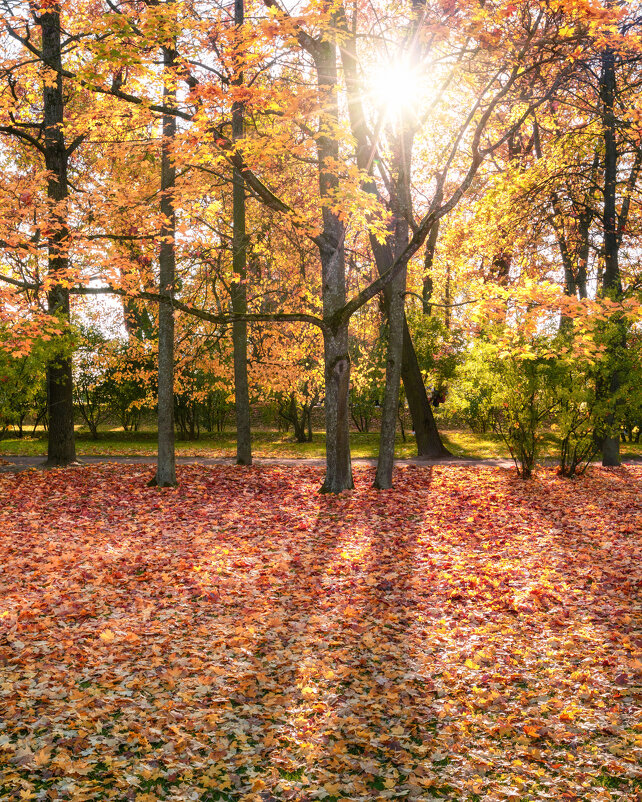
{"x":429,"y":444}
{"x":239,"y":286}
{"x":166,"y":461}
{"x":61,"y":448}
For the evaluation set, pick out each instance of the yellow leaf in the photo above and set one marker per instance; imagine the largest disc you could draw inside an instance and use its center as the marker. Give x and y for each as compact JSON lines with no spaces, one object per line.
{"x":107,"y":636}
{"x":41,"y":757}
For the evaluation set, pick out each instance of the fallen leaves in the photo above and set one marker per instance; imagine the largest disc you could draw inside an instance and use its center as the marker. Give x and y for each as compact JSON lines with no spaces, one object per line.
{"x":464,"y":636}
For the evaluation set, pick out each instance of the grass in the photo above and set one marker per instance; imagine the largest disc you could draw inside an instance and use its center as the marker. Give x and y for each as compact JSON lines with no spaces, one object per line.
{"x":271,"y":443}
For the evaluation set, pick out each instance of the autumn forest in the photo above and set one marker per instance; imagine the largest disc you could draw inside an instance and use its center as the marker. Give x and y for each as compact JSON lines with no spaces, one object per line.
{"x":402,"y":230}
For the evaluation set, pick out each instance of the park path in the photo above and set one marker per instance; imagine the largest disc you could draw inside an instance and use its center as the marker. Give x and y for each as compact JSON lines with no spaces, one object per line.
{"x":15,"y":464}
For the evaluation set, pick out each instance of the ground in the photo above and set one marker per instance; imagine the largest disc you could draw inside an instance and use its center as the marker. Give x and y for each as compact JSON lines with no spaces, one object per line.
{"x":271,"y":444}
{"x":466,"y":635}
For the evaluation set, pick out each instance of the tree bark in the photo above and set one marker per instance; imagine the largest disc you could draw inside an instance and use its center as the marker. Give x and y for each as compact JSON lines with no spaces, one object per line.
{"x":396,"y":317}
{"x":61,"y":448}
{"x":337,"y":423}
{"x":429,"y":445}
{"x":332,"y":254}
{"x":611,"y":279}
{"x":239,"y":286}
{"x":429,"y":258}
{"x":166,"y":461}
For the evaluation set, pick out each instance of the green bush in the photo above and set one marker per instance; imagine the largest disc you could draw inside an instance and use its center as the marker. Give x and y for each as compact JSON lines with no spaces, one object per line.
{"x":23,"y":390}
{"x":513,"y":391}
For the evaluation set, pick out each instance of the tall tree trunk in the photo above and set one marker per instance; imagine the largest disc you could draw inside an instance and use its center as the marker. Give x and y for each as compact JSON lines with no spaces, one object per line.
{"x":166,"y":462}
{"x":611,"y":280}
{"x":332,"y":254}
{"x":61,"y":449}
{"x":239,"y":286}
{"x":396,"y":317}
{"x":429,"y":444}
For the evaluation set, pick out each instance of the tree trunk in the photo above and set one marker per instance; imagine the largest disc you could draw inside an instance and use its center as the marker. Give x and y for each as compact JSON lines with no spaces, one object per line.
{"x":429,"y":445}
{"x":239,"y":286}
{"x":429,"y":258}
{"x":61,"y":449}
{"x":396,"y":317}
{"x":332,"y":253}
{"x":337,"y":429}
{"x":611,"y":280}
{"x":166,"y":461}
{"x":390,"y":410}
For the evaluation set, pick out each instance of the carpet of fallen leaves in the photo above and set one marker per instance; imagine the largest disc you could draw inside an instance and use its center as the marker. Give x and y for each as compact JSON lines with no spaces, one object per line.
{"x":465,"y":636}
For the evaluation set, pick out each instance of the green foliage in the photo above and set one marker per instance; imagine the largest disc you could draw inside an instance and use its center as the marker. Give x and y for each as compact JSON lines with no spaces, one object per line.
{"x":627,"y":400}
{"x":112,"y":379}
{"x":577,"y":414}
{"x":513,"y":390}
{"x":557,"y":382}
{"x":364,"y":402}
{"x":216,"y":408}
{"x":440,"y":350}
{"x":91,"y":387}
{"x":22,"y":383}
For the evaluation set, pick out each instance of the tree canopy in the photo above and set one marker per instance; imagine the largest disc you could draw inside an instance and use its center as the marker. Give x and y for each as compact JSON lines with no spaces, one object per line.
{"x":235,"y":186}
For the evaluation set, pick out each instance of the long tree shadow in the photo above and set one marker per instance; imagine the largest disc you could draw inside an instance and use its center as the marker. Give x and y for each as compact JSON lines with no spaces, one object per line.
{"x":465,"y":635}
{"x":346,"y":698}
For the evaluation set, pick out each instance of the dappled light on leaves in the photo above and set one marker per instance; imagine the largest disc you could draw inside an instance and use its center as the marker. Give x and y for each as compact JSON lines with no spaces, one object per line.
{"x":463,"y":636}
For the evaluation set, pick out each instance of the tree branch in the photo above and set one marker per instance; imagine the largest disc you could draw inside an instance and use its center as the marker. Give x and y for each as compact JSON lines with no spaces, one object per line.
{"x":156,"y":297}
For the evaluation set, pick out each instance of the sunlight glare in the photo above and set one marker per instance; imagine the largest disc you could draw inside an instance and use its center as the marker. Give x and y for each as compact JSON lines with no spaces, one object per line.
{"x":394,"y":87}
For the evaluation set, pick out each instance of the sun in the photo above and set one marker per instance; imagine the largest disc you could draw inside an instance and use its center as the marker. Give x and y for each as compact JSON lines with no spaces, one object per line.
{"x":394,"y":87}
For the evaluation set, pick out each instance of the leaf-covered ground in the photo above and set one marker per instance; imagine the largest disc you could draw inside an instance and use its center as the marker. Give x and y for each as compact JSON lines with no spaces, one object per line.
{"x":465,"y":636}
